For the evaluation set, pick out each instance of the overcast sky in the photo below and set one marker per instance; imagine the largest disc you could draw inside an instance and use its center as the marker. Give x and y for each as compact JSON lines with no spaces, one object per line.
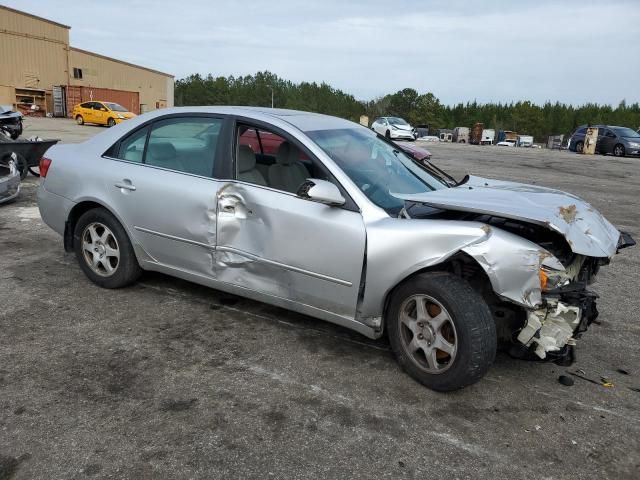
{"x":492,"y":50}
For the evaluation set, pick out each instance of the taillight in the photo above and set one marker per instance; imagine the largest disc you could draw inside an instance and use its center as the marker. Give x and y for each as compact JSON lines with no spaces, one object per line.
{"x":45,"y":163}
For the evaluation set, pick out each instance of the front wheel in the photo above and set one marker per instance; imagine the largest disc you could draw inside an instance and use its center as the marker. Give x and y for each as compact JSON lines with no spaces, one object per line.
{"x":579,"y":147}
{"x":104,"y":251}
{"x":618,"y":150}
{"x":441,"y":331}
{"x":387,"y":134}
{"x":111,"y":122}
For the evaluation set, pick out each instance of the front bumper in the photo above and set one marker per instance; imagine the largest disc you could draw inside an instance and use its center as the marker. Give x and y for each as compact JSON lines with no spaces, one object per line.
{"x":401,"y":134}
{"x":551,"y":331}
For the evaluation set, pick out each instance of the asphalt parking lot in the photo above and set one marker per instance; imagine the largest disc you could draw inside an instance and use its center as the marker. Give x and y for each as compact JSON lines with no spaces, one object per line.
{"x":167,"y":379}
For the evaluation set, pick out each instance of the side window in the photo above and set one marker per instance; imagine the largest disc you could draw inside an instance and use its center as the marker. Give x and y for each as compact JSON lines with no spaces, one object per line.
{"x":581,"y":131}
{"x":86,"y":105}
{"x":185,"y":144}
{"x":266,"y":158}
{"x":132,"y":147}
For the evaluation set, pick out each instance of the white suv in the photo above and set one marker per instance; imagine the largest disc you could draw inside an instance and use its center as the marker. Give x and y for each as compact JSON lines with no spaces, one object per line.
{"x":394,"y":128}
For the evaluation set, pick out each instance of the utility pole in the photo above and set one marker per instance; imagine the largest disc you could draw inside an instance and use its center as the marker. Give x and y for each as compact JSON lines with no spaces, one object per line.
{"x":271,"y":88}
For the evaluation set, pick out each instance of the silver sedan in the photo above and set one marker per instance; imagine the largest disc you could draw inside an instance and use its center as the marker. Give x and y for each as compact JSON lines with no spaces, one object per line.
{"x":319,"y":215}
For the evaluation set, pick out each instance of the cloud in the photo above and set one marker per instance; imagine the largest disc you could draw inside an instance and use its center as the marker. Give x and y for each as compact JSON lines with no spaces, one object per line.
{"x":575,"y":52}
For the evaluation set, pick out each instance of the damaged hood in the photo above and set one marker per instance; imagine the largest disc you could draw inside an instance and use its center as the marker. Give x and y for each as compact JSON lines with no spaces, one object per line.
{"x":585,"y":229}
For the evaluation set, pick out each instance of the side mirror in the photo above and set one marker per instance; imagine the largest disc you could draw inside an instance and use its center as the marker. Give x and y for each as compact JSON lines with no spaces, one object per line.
{"x":321,"y":191}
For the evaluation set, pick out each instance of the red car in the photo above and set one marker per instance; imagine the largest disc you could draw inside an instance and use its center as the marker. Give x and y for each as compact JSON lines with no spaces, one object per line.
{"x":417,"y":153}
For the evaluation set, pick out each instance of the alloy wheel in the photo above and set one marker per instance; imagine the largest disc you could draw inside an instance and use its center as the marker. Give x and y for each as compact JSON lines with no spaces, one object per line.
{"x":100,"y":249}
{"x":618,"y":151}
{"x":428,"y":333}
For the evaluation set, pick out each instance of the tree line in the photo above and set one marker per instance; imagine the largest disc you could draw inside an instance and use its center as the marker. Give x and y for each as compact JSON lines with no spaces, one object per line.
{"x":524,"y":117}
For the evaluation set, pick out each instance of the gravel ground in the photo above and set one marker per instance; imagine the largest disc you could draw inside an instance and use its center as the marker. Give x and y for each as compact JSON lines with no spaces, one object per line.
{"x":168,"y":379}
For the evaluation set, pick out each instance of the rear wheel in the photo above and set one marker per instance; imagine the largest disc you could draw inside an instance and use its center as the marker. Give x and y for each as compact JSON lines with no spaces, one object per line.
{"x":104,"y":251}
{"x":79,"y":120}
{"x":441,"y":331}
{"x":618,"y":150}
{"x":111,"y":122}
{"x":579,"y":147}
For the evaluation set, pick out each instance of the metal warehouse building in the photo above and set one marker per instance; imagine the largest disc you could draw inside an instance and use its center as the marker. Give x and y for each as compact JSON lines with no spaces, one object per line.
{"x":40,"y":73}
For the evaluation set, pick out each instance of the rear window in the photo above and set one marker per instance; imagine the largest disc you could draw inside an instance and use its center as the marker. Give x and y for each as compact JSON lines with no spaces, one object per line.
{"x":183,"y":144}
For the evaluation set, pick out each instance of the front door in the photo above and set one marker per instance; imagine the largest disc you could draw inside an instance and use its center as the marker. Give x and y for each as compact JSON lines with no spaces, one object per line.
{"x":274,"y":242}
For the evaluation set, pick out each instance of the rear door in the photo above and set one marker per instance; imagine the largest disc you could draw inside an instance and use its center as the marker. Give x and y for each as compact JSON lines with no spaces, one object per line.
{"x":606,"y":141}
{"x":272,"y":241}
{"x":99,"y":113}
{"x":161,"y":183}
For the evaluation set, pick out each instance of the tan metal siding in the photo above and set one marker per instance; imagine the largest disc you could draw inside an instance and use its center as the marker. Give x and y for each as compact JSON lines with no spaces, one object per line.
{"x":31,"y":63}
{"x":101,"y":72}
{"x":23,"y":24}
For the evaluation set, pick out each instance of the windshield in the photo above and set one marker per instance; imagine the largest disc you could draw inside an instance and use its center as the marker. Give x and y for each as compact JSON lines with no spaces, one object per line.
{"x":626,"y":132}
{"x":116,"y":107}
{"x":397,"y":121}
{"x":378,"y":168}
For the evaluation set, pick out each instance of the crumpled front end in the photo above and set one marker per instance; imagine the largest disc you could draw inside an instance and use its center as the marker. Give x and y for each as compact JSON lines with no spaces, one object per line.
{"x":556,"y":304}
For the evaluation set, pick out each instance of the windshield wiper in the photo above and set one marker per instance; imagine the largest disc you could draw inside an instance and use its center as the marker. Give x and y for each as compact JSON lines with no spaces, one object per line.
{"x":444,"y":177}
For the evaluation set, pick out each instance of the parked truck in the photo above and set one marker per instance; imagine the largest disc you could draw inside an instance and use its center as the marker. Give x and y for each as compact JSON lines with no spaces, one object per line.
{"x":507,"y":136}
{"x":488,"y":136}
{"x":461,"y":135}
{"x":524,"y":141}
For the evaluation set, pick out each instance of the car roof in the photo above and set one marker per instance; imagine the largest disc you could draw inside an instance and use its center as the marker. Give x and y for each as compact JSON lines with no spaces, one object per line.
{"x":305,"y":121}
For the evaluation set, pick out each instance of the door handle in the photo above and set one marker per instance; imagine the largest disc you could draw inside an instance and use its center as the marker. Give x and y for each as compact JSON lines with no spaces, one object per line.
{"x":126,"y":184}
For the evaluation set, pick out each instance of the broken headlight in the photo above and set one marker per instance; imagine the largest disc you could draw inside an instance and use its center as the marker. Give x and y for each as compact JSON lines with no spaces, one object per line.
{"x":550,"y":279}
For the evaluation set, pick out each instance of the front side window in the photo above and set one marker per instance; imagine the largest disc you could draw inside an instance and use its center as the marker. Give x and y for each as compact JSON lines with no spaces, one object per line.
{"x":115,"y":107}
{"x":268,"y":159}
{"x":184,"y":144}
{"x":626,"y":132}
{"x":379,"y":169}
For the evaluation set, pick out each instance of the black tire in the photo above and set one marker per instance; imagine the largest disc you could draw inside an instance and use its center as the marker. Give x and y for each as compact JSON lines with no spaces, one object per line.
{"x":79,"y":120}
{"x":618,"y":150}
{"x":387,"y":134}
{"x":111,"y":122}
{"x":127,"y":270}
{"x":579,"y":147}
{"x":473,"y":329}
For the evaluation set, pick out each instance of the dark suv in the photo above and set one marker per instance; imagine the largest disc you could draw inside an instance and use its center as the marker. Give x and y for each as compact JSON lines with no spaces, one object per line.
{"x":620,"y":141}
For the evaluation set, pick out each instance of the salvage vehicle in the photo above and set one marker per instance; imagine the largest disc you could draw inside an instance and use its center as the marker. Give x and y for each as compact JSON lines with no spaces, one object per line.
{"x":101,"y":113}
{"x":619,"y":141}
{"x":340,"y":225}
{"x":394,"y":128}
{"x":9,"y":178}
{"x":11,"y":121}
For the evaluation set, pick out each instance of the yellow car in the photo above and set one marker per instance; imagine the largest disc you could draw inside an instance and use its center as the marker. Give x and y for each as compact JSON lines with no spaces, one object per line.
{"x":101,"y":113}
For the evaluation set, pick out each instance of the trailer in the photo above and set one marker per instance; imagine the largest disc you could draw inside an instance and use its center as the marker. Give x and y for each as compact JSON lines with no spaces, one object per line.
{"x":461,"y":135}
